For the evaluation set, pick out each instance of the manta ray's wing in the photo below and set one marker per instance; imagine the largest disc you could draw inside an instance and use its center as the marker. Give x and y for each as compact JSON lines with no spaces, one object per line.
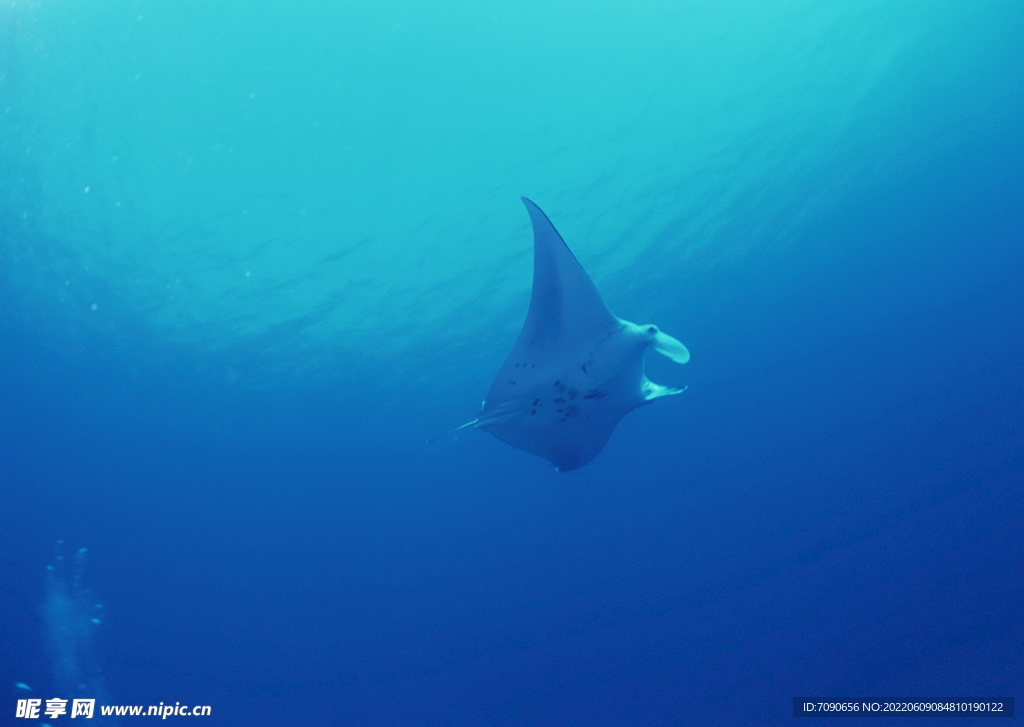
{"x":572,"y":373}
{"x":566,"y":314}
{"x":565,"y":307}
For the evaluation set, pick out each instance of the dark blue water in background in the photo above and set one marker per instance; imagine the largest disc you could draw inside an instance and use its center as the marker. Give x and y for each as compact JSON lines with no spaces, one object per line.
{"x":252,"y":256}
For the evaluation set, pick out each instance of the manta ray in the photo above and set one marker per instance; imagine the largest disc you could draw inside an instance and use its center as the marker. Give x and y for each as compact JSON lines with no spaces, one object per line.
{"x":575,"y":369}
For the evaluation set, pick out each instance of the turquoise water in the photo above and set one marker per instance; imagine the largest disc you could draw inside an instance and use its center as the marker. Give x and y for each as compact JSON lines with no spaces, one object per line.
{"x":253,"y":255}
{"x":352,"y":174}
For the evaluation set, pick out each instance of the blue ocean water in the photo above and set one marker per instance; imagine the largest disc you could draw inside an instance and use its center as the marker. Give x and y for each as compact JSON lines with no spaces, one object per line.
{"x":253,"y":256}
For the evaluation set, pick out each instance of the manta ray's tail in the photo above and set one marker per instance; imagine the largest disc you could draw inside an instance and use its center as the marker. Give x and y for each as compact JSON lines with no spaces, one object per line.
{"x":452,"y":431}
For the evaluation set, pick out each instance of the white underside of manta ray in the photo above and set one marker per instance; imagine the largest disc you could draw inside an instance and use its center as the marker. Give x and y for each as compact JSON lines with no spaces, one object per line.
{"x":575,"y":369}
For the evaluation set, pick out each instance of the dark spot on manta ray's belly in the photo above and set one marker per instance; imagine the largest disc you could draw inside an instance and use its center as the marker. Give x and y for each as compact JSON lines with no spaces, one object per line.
{"x":569,"y":411}
{"x":560,"y":386}
{"x":511,"y":383}
{"x":560,"y":400}
{"x":595,"y":394}
{"x":536,"y":402}
{"x":584,"y":367}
